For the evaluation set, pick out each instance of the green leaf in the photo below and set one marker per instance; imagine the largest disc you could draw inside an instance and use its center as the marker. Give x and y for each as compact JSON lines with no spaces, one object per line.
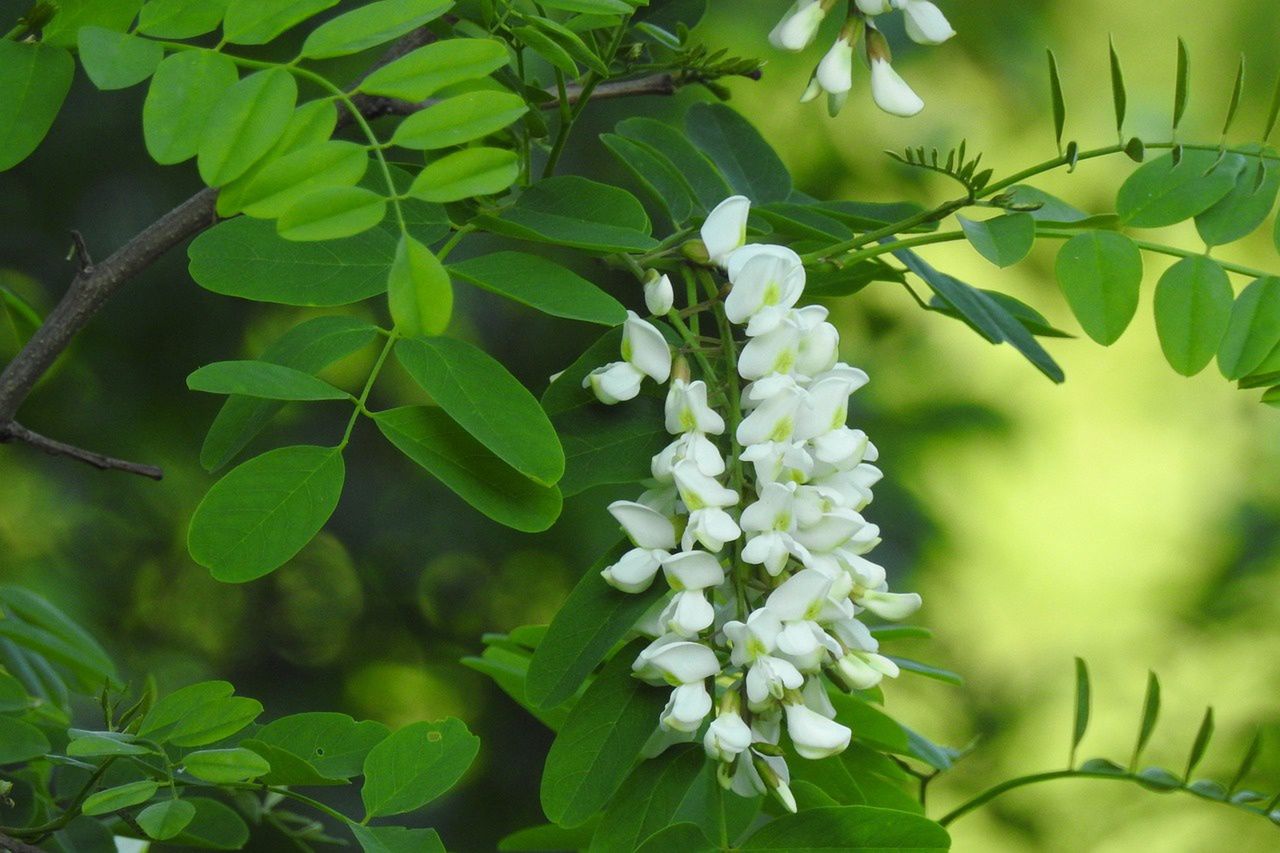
{"x":168,"y":712}
{"x":1237,"y":89}
{"x":541,"y":284}
{"x":1118,"y":95}
{"x":594,"y":618}
{"x":685,"y":837}
{"x":397,"y":839}
{"x":333,"y":745}
{"x":649,"y":799}
{"x":419,"y":290}
{"x":1193,"y":306}
{"x":37,"y":625}
{"x":421,"y":73}
{"x":1150,"y":713}
{"x":117,"y":60}
{"x":609,"y":444}
{"x":119,"y":797}
{"x":655,"y":173}
{"x":850,"y":828}
{"x":261,"y":513}
{"x":1055,"y":95}
{"x":572,"y":211}
{"x":416,"y":764}
{"x":244,"y":124}
{"x":34,"y":81}
{"x":1081,"y":722}
{"x":433,"y":440}
{"x":223,"y":766}
{"x":460,"y":119}
{"x":592,"y":7}
{"x":215,"y":826}
{"x":548,"y":838}
{"x":737,"y":149}
{"x":600,"y":742}
{"x":1246,"y":763}
{"x":1254,"y":329}
{"x":165,"y":820}
{"x":705,"y":182}
{"x":183,"y":93}
{"x":1273,"y":115}
{"x":571,"y":43}
{"x":1240,"y":212}
{"x":20,"y":741}
{"x":1201,"y":743}
{"x":74,"y":14}
{"x":286,"y":179}
{"x":180,"y":19}
{"x":491,"y":404}
{"x":547,"y":47}
{"x":1164,"y":192}
{"x":311,"y":124}
{"x":260,"y":21}
{"x":1183,"y":86}
{"x":213,"y":721}
{"x":262,"y":379}
{"x":94,"y":744}
{"x":1100,"y":273}
{"x":467,"y":173}
{"x":310,"y":346}
{"x":371,"y":25}
{"x":1004,"y":240}
{"x":1044,"y":207}
{"x":330,"y":213}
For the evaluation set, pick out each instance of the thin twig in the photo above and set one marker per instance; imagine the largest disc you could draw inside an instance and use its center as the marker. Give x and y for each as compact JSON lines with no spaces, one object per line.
{"x":14,"y":431}
{"x":13,"y":845}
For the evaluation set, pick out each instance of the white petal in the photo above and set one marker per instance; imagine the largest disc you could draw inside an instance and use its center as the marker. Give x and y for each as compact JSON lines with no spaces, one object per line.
{"x":727,"y":737}
{"x":659,"y":295}
{"x":926,"y":24}
{"x":680,"y":662}
{"x":813,"y":735}
{"x":891,"y":605}
{"x":818,"y":349}
{"x":699,"y":491}
{"x":835,"y":71}
{"x":798,"y":639}
{"x":688,"y":706}
{"x":644,"y":347}
{"x":614,"y":383}
{"x":726,"y":228}
{"x":687,"y":409}
{"x":693,"y":570}
{"x":773,"y":420}
{"x":634,"y":572}
{"x":647,"y":527}
{"x":891,"y":92}
{"x":689,"y":613}
{"x":798,"y":595}
{"x":799,"y":26}
{"x":815,"y":696}
{"x":832,"y":530}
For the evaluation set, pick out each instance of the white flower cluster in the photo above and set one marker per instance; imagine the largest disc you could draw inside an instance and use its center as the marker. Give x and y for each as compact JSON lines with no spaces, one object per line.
{"x":752,"y":640}
{"x":925,"y":24}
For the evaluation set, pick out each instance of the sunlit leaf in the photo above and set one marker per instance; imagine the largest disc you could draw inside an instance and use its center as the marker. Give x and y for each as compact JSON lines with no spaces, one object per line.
{"x":260,"y":21}
{"x":467,"y":173}
{"x":1004,"y":240}
{"x":370,"y":25}
{"x":244,"y":124}
{"x":1193,"y":306}
{"x":34,"y":81}
{"x":221,"y":766}
{"x":116,"y":60}
{"x":1100,"y":273}
{"x":1254,"y":329}
{"x":421,"y":73}
{"x":462,"y":118}
{"x":416,"y":764}
{"x":119,"y":797}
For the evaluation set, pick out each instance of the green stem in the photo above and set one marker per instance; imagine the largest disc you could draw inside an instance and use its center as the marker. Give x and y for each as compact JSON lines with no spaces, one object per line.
{"x":454,"y":241}
{"x":360,"y":409}
{"x":695,"y":348}
{"x":589,"y":84}
{"x":71,"y":813}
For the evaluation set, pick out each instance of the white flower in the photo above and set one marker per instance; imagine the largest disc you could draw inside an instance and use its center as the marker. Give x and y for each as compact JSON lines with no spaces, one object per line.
{"x":925,"y":22}
{"x":798,"y":26}
{"x":890,"y":92}
{"x":652,"y":533}
{"x":776,"y":461}
{"x":699,"y":491}
{"x":688,"y":613}
{"x":774,"y":420}
{"x":687,"y":708}
{"x":711,"y":527}
{"x":835,"y":71}
{"x":687,"y":409}
{"x":725,"y":229}
{"x":767,"y":282}
{"x":803,"y":343}
{"x":693,"y":446}
{"x":772,"y":521}
{"x":693,"y":570}
{"x":674,"y":660}
{"x":614,"y":383}
{"x":890,"y":605}
{"x":813,"y":735}
{"x":659,"y":295}
{"x":753,"y":642}
{"x":875,"y":7}
{"x":727,"y":737}
{"x":634,"y":572}
{"x":644,"y":347}
{"x":864,"y":670}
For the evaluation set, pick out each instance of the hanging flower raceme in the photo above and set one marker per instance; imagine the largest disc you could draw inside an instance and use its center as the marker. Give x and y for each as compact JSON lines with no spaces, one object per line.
{"x":834,"y":75}
{"x":754,"y":516}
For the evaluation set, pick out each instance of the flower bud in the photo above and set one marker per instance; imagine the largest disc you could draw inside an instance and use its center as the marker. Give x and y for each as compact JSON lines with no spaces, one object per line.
{"x":835,"y":71}
{"x":614,"y":383}
{"x":925,"y":23}
{"x":659,"y":295}
{"x":813,"y":735}
{"x":725,"y":228}
{"x":727,"y":737}
{"x":644,"y":347}
{"x":799,"y":26}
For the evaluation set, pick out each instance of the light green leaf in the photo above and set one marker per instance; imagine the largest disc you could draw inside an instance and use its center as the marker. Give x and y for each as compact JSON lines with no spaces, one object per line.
{"x":419,"y":291}
{"x":547,"y":48}
{"x":851,"y":828}
{"x":433,"y":440}
{"x":213,"y":721}
{"x":1150,"y":713}
{"x":184,"y":90}
{"x":215,"y":826}
{"x":310,"y":346}
{"x":416,"y":764}
{"x":180,"y":19}
{"x":93,"y":744}
{"x":573,"y":211}
{"x":743,"y":157}
{"x":459,"y":119}
{"x":397,"y":839}
{"x":1164,"y":192}
{"x":245,"y":124}
{"x":1240,"y":212}
{"x":166,"y":819}
{"x":119,"y":797}
{"x":1254,"y":329}
{"x":370,"y":25}
{"x":599,"y":744}
{"x":260,"y":21}
{"x":467,"y":173}
{"x":332,"y":745}
{"x":116,"y":60}
{"x":311,"y":124}
{"x":1100,"y":273}
{"x":421,"y":73}
{"x":593,"y":619}
{"x":486,"y":400}
{"x":331,"y":213}
{"x":542,"y":284}
{"x":1193,"y":306}
{"x":1004,"y":240}
{"x":571,"y":43}
{"x":222,"y":766}
{"x":262,"y":379}
{"x":262,"y":512}
{"x":72,"y":15}
{"x":287,"y":179}
{"x":20,"y":741}
{"x":34,"y":81}
{"x":169,"y":711}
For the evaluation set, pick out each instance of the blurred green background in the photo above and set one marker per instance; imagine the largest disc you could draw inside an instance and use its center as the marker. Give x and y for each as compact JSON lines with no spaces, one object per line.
{"x":1128,"y":517}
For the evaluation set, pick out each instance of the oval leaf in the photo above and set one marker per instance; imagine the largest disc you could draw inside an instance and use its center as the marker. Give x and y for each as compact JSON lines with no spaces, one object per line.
{"x":1164,"y":191}
{"x":371,"y":25}
{"x":1100,"y":273}
{"x":467,"y":173}
{"x":332,"y":212}
{"x":419,"y":291}
{"x":541,"y":284}
{"x":244,"y":124}
{"x":416,"y":764}
{"x":459,"y":119}
{"x":20,"y":741}
{"x":851,"y":828}
{"x":1193,"y":306}
{"x":181,"y":97}
{"x":163,"y":821}
{"x":262,"y":379}
{"x":1254,"y":329}
{"x":577,"y":212}
{"x":1004,"y":240}
{"x":180,"y":19}
{"x":260,"y":21}
{"x":421,"y":73}
{"x":116,"y":60}
{"x":223,"y":766}
{"x":119,"y":797}
{"x":285,"y":180}
{"x":34,"y":81}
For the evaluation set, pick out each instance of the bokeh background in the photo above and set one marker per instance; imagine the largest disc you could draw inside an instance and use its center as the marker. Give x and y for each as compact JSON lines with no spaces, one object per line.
{"x":1128,"y":516}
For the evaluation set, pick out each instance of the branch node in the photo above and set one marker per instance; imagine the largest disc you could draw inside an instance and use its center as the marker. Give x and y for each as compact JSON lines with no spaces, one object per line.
{"x":80,"y":251}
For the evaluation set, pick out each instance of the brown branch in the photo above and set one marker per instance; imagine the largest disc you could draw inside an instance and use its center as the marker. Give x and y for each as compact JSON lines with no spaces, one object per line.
{"x":13,"y":845}
{"x":14,"y":431}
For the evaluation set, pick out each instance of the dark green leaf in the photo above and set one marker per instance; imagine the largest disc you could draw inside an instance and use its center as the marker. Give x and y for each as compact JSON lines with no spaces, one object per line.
{"x":416,"y":764}
{"x":541,"y":284}
{"x":685,"y":837}
{"x":1193,"y":306}
{"x":573,"y":211}
{"x":487,"y":401}
{"x":1254,"y":329}
{"x":39,"y":626}
{"x":592,"y":7}
{"x":936,"y":673}
{"x":649,"y":799}
{"x":548,"y":838}
{"x":262,"y":379}
{"x":1059,"y":102}
{"x":850,"y":828}
{"x":705,"y":182}
{"x":1004,"y":240}
{"x":1240,"y":212}
{"x":34,"y":81}
{"x":333,"y":745}
{"x":1081,"y":723}
{"x":370,"y":25}
{"x":1201,"y":743}
{"x":116,"y":60}
{"x":421,"y":73}
{"x":1117,"y":87}
{"x":433,"y":440}
{"x":397,"y":839}
{"x":262,"y":512}
{"x":1100,"y":273}
{"x":600,"y":742}
{"x":654,"y":173}
{"x":1043,"y":207}
{"x":1273,"y":115}
{"x":244,"y":124}
{"x":609,"y":444}
{"x":1237,"y":89}
{"x":20,"y":741}
{"x":260,"y":21}
{"x":1162,"y":192}
{"x":119,"y":797}
{"x":571,"y":43}
{"x":1246,"y":763}
{"x":1150,"y":713}
{"x":215,"y":826}
{"x":1183,"y":86}
{"x":74,"y":14}
{"x":166,"y":819}
{"x":745,"y":159}
{"x":548,"y":48}
{"x":93,"y":744}
{"x":1158,"y":779}
{"x":168,"y":712}
{"x":419,"y":292}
